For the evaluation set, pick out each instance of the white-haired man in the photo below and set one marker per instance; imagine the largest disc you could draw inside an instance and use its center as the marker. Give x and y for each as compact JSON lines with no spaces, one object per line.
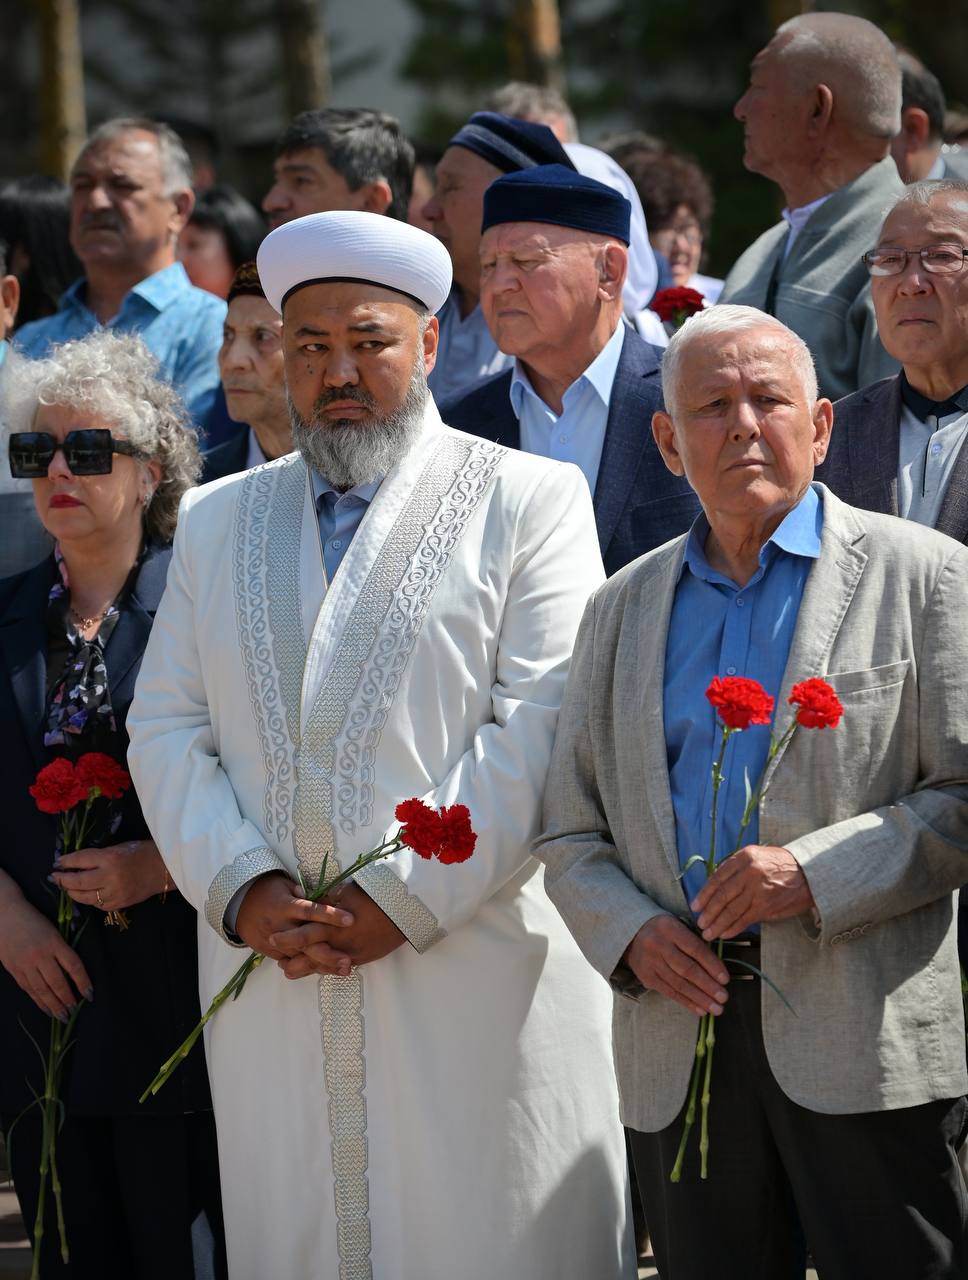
{"x":422,"y":1088}
{"x":131,"y":194}
{"x":818,"y":117}
{"x":837,"y":1123}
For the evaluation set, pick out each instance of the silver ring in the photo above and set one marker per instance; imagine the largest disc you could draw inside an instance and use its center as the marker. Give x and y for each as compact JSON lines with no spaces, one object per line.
{"x":100,"y":900}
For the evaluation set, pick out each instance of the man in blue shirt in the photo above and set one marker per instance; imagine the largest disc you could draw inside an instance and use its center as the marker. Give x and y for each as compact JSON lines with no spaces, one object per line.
{"x":839,"y":1122}
{"x":130,"y":197}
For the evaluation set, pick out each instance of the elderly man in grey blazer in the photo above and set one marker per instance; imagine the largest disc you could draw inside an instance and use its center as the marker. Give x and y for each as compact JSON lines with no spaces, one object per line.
{"x":837,"y":1124}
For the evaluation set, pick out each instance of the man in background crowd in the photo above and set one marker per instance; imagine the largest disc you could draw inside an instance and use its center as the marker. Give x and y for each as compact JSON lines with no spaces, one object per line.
{"x":488,"y":146}
{"x":538,"y":103}
{"x":917,"y":148}
{"x":583,"y":386}
{"x":340,"y":158}
{"x":23,"y":540}
{"x":821,"y":109}
{"x":252,"y":368}
{"x":131,"y":195}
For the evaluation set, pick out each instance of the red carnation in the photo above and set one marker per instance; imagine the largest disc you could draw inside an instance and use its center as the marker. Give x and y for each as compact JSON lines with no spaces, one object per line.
{"x":740,"y":702}
{"x":459,"y":838}
{"x":677,"y":304}
{"x":58,"y":788}
{"x":818,"y":706}
{"x":422,"y":830}
{"x":97,"y":770}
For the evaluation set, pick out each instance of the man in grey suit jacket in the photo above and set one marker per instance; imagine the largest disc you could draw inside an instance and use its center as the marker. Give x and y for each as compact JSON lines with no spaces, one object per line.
{"x":822,"y":106}
{"x":839,"y":1122}
{"x":901,"y":445}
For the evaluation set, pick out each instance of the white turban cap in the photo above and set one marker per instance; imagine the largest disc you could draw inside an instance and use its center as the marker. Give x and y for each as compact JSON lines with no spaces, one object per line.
{"x":348,"y":245}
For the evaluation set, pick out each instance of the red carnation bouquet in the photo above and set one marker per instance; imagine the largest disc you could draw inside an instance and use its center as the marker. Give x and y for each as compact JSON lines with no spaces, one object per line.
{"x":70,"y":789}
{"x":739,"y":703}
{"x":445,"y":834}
{"x":674,"y":306}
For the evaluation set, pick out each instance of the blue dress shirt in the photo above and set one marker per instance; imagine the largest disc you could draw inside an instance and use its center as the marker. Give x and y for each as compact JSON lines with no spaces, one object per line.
{"x":577,"y":434}
{"x":718,"y":628}
{"x":181,"y":325}
{"x":339,"y":516}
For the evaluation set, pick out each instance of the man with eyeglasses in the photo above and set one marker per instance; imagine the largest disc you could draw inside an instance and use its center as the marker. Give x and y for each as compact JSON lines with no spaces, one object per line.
{"x":899,"y":445}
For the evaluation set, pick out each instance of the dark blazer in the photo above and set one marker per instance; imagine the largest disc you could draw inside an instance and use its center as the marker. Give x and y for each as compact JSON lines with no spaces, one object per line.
{"x":861,"y":468}
{"x":227,"y":458}
{"x":639,"y":503}
{"x":861,"y":463}
{"x":145,"y":978}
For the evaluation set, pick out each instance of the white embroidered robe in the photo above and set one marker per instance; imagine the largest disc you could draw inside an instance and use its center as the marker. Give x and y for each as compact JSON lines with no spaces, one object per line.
{"x":448,"y":1112}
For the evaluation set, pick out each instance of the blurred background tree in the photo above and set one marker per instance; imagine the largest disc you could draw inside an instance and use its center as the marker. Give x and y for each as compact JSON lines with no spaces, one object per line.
{"x":241,"y":68}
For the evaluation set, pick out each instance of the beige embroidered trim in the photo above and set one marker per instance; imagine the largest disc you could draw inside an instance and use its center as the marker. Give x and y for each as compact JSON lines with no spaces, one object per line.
{"x":404,"y":908}
{"x":248,"y":865}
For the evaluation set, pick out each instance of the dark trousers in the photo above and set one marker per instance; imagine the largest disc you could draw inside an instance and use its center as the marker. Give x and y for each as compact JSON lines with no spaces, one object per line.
{"x":875,"y":1194}
{"x":141,"y":1197}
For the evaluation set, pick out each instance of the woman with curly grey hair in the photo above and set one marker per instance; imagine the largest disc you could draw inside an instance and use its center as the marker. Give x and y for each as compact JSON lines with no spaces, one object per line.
{"x":109,"y":450}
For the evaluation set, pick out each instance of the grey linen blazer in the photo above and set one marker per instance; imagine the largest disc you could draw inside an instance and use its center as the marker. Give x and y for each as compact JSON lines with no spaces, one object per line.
{"x":875,"y":811}
{"x":822,"y":287}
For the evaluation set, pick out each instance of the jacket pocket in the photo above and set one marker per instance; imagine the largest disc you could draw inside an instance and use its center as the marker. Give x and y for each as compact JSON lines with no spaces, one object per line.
{"x":847,"y":682}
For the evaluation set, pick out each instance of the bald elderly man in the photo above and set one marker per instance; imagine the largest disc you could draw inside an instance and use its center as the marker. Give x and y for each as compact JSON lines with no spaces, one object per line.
{"x":823,"y":104}
{"x":421,"y":1086}
{"x":838,"y":1123}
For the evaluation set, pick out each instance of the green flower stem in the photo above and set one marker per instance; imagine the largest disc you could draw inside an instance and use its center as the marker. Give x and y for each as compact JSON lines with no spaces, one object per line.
{"x":233,"y":988}
{"x":704,"y":1123}
{"x":690,"y":1116}
{"x":717,"y":783}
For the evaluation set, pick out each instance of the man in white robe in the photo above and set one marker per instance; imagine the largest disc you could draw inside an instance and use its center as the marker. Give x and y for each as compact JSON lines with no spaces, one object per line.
{"x":422,"y":1087}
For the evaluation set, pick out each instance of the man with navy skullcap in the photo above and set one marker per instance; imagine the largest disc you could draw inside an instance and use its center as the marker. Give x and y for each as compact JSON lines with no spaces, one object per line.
{"x":424,"y":1073}
{"x":583,"y":386}
{"x":488,"y":146}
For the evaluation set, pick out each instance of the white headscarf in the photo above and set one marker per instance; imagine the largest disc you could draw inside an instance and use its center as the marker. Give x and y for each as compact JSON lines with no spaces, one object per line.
{"x":642,"y":274}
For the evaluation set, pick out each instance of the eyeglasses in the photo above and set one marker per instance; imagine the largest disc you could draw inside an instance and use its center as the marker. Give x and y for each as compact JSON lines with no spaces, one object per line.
{"x":691,"y":232}
{"x":938,"y":259}
{"x":87,"y":452}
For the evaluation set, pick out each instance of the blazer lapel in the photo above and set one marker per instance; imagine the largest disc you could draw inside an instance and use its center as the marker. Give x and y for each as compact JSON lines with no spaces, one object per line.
{"x":873,"y":443}
{"x":127,"y":642}
{"x":826,"y":598}
{"x":953,"y":517}
{"x":507,"y":429}
{"x":630,"y":410}
{"x":658,"y":593}
{"x":23,"y":651}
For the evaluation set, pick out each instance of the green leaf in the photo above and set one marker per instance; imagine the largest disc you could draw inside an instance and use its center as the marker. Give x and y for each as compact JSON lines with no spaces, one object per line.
{"x":748,"y":788}
{"x":769,"y":981}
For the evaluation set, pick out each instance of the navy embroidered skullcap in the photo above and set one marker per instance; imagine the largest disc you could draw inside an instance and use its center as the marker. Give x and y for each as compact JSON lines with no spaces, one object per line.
{"x":552,"y":193}
{"x":510,"y":144}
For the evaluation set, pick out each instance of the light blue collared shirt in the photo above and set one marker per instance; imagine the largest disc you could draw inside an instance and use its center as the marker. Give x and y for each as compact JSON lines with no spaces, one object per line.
{"x":466,"y":352}
{"x":181,"y":325}
{"x":339,"y":516}
{"x":718,"y":628}
{"x":577,"y":434}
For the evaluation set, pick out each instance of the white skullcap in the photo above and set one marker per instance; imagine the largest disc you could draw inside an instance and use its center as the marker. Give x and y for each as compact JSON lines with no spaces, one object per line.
{"x":368,"y":248}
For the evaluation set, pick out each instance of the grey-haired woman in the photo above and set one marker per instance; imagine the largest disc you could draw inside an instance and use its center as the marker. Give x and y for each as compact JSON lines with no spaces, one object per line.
{"x":108,"y":448}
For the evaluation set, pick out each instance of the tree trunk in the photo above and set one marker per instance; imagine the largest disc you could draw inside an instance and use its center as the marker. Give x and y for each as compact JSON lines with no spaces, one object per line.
{"x":534,"y":43}
{"x":62,"y":117}
{"x":305,"y":55}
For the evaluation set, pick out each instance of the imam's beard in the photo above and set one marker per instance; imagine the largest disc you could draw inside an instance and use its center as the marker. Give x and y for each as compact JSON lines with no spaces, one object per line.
{"x":352,"y":451}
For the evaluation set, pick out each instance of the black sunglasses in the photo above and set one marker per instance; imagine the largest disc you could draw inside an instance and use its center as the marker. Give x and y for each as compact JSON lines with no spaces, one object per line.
{"x":87,"y":452}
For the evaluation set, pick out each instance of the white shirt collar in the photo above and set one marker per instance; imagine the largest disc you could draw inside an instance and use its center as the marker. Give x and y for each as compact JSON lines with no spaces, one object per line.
{"x":796,"y":219}
{"x":600,"y":374}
